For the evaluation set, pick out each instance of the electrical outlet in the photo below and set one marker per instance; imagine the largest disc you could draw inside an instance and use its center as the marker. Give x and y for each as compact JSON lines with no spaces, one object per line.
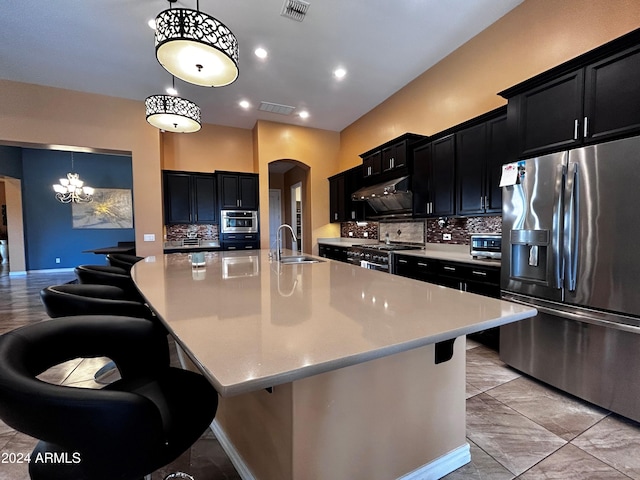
{"x":57,"y":259}
{"x":446,"y":236}
{"x":366,"y":234}
{"x":351,"y":234}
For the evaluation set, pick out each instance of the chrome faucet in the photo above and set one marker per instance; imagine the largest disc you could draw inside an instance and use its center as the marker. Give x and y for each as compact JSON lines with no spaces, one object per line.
{"x":295,"y":239}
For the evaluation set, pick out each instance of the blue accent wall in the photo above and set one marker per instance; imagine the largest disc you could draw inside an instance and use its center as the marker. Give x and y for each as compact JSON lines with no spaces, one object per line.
{"x":49,"y":231}
{"x":10,"y":161}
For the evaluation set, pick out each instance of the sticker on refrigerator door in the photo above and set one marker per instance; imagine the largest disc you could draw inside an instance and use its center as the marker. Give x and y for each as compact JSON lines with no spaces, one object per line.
{"x":509,"y":175}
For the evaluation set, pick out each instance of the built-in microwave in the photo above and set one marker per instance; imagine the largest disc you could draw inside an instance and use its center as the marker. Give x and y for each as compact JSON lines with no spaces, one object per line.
{"x":238,"y":221}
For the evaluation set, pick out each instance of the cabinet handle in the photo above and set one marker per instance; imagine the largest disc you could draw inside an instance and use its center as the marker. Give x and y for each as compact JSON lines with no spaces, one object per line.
{"x":476,"y":272}
{"x":575,"y":129}
{"x":422,"y":264}
{"x":482,"y":203}
{"x":451,"y":269}
{"x":401,"y":261}
{"x":586,"y":127}
{"x":335,"y":216}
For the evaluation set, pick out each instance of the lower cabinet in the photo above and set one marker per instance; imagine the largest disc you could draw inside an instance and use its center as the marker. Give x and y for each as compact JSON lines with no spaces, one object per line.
{"x":468,"y":277}
{"x":240,"y":241}
{"x":333,"y":252}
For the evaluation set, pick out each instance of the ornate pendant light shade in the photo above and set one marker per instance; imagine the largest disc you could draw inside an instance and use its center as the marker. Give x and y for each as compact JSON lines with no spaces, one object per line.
{"x":173,"y":114}
{"x":196,"y":47}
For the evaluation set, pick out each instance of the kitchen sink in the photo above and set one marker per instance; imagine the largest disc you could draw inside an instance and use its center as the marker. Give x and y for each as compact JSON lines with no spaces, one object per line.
{"x":296,"y":259}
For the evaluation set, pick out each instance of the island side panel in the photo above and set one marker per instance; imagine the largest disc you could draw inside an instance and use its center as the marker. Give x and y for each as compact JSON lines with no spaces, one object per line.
{"x":377,"y":420}
{"x":380,"y":419}
{"x":258,"y":426}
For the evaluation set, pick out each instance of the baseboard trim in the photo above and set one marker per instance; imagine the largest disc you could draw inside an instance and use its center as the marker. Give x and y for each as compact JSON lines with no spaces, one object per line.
{"x":441,"y":466}
{"x":232,"y":453}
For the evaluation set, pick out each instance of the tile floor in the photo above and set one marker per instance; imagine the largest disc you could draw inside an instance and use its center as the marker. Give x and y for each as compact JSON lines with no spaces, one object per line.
{"x":516,"y":426}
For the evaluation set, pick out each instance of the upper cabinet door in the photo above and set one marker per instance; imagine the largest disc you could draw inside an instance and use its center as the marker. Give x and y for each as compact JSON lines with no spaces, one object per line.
{"x":248,"y":194}
{"x":229,"y":190}
{"x":550,"y":116}
{"x":372,"y":164}
{"x":442,"y":178}
{"x":420,"y":181}
{"x":204,"y":196}
{"x":177,"y":198}
{"x":471,"y":151}
{"x":612,"y":96}
{"x":497,"y":155}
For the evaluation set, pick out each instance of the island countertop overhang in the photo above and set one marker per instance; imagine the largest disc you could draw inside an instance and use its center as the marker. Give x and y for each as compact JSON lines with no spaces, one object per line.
{"x":249,"y":322}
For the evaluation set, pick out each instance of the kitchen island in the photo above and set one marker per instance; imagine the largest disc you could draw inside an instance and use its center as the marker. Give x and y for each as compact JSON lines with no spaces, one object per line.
{"x":325,"y":370}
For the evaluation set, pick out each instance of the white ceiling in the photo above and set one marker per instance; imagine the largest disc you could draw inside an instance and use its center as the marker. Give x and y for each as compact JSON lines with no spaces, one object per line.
{"x":106,"y":47}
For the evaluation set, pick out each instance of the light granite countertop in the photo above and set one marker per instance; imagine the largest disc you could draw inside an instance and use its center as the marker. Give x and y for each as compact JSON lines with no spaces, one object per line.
{"x":249,"y":322}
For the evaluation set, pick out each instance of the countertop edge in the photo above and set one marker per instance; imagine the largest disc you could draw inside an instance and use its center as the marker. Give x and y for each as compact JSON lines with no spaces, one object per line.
{"x":308,"y":371}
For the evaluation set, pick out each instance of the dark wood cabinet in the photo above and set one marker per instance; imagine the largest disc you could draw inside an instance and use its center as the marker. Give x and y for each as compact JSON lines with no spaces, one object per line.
{"x":189,"y":197}
{"x":549,"y":116}
{"x":337,"y":198}
{"x":468,"y":277}
{"x":589,"y":99}
{"x":433,"y":178}
{"x":341,"y":186}
{"x":372,"y":164}
{"x":333,"y":252}
{"x":394,"y":156}
{"x":389,"y":160}
{"x":481,"y":150}
{"x":418,"y":268}
{"x":612,"y":96}
{"x":238,"y":191}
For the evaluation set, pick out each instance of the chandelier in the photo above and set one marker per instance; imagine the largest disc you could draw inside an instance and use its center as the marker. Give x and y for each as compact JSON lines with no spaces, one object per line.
{"x":196,"y":47}
{"x":72,"y":189}
{"x":173,"y":114}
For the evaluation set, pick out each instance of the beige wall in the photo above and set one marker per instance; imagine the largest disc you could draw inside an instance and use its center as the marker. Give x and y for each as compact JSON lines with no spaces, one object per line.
{"x":317,"y":149}
{"x":212,"y":148}
{"x":532,"y":38}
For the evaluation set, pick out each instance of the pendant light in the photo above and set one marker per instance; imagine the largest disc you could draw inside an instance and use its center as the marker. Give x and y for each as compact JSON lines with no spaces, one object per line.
{"x":196,"y":47}
{"x":173,"y":114}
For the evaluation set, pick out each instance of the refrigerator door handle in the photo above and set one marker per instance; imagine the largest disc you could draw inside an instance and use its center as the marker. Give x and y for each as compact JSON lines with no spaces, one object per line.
{"x":556,"y":242}
{"x":571,"y":236}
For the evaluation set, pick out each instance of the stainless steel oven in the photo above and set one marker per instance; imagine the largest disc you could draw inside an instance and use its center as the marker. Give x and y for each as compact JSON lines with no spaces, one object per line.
{"x":375,"y":256}
{"x":239,"y":221}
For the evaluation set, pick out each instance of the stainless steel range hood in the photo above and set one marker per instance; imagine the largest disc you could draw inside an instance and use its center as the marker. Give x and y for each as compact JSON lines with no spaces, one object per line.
{"x":389,"y":199}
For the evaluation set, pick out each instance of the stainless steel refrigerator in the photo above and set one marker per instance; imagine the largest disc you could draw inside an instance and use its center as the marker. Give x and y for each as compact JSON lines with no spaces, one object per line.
{"x":571,"y":247}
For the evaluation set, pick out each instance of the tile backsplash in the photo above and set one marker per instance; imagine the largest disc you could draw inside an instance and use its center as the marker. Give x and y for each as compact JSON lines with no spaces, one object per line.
{"x":421,"y":231}
{"x":461,"y":229}
{"x":205,"y":232}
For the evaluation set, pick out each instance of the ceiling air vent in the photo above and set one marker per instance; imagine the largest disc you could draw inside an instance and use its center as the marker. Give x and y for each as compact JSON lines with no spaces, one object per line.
{"x":295,"y":9}
{"x":276,"y":108}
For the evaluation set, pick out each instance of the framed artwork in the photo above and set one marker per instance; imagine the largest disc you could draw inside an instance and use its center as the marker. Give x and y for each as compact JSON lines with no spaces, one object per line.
{"x":110,"y":208}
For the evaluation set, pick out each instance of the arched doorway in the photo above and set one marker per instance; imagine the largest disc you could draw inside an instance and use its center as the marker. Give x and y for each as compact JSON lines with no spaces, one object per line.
{"x":288,"y":181}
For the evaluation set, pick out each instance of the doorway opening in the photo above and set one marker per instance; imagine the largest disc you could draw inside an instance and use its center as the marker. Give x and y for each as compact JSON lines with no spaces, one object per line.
{"x":290,"y":179}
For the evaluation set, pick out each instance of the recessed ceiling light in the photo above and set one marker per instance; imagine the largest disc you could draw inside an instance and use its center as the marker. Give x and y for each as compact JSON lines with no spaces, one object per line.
{"x":152,"y":24}
{"x":339,"y":73}
{"x":303,"y":114}
{"x":260,"y":52}
{"x":171,"y":91}
{"x":244,"y":104}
